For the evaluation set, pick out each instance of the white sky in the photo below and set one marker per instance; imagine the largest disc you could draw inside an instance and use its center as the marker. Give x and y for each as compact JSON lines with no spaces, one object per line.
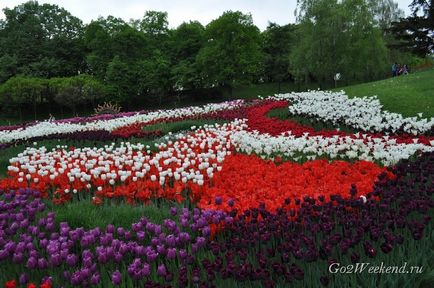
{"x":263,"y":11}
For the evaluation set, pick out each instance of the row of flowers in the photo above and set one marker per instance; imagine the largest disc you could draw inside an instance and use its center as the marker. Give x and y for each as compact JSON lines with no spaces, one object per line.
{"x":382,"y":150}
{"x":240,"y":182}
{"x":363,"y":113}
{"x":143,"y":175}
{"x":258,"y":120}
{"x":39,"y":247}
{"x":258,"y":245}
{"x":46,"y":128}
{"x":74,"y":120}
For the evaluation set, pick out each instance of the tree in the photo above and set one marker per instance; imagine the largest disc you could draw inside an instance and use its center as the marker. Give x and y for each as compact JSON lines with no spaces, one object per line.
{"x":45,"y":40}
{"x":122,"y":81}
{"x":130,"y":45}
{"x":154,"y":23}
{"x":232,"y":52}
{"x":416,"y":32}
{"x":99,"y":40}
{"x":277,"y":44}
{"x":21,"y":91}
{"x":154,"y":78}
{"x":77,"y":90}
{"x":8,"y":67}
{"x":185,"y":43}
{"x":338,"y":37}
{"x":385,"y":12}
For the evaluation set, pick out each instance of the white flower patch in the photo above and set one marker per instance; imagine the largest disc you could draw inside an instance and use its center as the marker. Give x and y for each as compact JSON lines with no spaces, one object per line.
{"x":191,"y":157}
{"x":383,"y":150}
{"x":363,"y":113}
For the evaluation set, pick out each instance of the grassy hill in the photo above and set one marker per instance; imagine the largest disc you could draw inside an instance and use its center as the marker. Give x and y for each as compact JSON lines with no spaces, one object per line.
{"x":407,"y":94}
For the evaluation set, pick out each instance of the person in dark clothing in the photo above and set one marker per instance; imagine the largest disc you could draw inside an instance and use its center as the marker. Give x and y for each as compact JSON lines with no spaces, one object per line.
{"x":394,"y":69}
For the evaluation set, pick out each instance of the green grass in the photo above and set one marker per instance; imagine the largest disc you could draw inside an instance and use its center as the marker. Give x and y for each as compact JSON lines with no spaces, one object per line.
{"x":407,"y":94}
{"x":267,"y":89}
{"x":119,"y":214}
{"x":283,"y":114}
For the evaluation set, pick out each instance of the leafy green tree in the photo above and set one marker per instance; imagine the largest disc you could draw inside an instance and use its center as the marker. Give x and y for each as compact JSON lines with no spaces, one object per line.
{"x":8,"y":67}
{"x":130,"y":45}
{"x":116,"y":48}
{"x":122,"y":80}
{"x":416,"y":32}
{"x":154,"y":78}
{"x":338,"y":37}
{"x":155,"y":23}
{"x":77,"y":90}
{"x":232,"y":52}
{"x":23,"y":91}
{"x":186,"y":42}
{"x":99,"y":40}
{"x":45,"y":39}
{"x":277,"y":44}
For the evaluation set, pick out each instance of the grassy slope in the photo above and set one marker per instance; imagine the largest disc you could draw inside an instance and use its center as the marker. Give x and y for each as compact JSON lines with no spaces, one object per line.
{"x":408,"y":95}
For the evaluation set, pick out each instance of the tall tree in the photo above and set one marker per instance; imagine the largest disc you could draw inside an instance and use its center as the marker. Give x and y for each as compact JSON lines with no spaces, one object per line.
{"x":122,"y":80}
{"x":337,"y":37}
{"x":385,"y":12}
{"x":232,"y":52}
{"x":45,"y":39}
{"x":186,"y":42}
{"x":99,"y":40}
{"x":416,"y":32}
{"x":154,"y":25}
{"x":154,"y":77}
{"x":277,"y":44}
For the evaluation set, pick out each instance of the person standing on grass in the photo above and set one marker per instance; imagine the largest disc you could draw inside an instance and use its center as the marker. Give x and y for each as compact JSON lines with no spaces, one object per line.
{"x":406,"y":69}
{"x":394,"y":69}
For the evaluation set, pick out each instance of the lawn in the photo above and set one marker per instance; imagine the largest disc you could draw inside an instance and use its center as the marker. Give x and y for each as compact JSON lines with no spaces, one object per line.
{"x":407,"y":94}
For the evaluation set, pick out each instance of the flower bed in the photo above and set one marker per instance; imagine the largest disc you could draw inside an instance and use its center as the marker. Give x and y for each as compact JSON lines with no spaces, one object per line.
{"x":259,"y":246}
{"x":266,"y":197}
{"x":361,"y":113}
{"x":245,"y":181}
{"x":47,"y":128}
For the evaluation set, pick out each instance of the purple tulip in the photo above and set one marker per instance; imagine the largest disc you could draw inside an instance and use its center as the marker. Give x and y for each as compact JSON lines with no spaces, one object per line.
{"x":146,"y":270}
{"x":95,"y":279}
{"x":161,"y":270}
{"x":116,"y":278}
{"x":24,"y":278}
{"x":171,"y":253}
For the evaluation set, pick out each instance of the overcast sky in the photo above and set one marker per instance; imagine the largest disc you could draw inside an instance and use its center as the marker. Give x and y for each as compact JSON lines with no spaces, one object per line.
{"x":263,"y":11}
